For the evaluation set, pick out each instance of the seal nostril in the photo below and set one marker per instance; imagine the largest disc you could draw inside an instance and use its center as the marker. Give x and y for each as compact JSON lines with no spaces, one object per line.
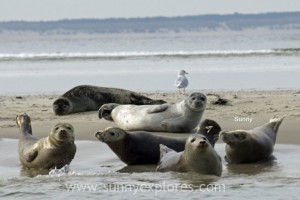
{"x":97,"y":134}
{"x":202,"y":142}
{"x":63,"y":132}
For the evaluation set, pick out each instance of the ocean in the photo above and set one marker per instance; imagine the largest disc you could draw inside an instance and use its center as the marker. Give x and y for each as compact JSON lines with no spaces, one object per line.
{"x":96,"y":172}
{"x":32,"y":63}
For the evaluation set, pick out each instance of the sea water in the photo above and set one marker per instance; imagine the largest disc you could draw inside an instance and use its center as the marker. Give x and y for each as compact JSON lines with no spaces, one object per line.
{"x":96,"y":172}
{"x":41,"y":63}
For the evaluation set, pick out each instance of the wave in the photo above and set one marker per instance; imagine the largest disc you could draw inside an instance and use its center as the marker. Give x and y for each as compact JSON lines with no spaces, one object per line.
{"x":130,"y":55}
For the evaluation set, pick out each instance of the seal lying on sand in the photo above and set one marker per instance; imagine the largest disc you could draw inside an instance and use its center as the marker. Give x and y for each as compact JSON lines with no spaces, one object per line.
{"x":245,"y":146}
{"x":56,"y":150}
{"x":143,"y":147}
{"x":198,"y":156}
{"x":180,"y":117}
{"x":89,"y":98}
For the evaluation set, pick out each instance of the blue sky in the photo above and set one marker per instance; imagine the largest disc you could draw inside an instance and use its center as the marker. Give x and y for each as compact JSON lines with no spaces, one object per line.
{"x":36,"y":10}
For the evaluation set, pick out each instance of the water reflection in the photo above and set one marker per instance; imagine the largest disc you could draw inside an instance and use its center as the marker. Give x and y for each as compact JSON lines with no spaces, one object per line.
{"x":253,"y":168}
{"x":31,"y":173}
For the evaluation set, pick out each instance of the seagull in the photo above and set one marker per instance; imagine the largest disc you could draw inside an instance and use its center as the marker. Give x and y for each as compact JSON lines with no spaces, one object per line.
{"x":181,"y":81}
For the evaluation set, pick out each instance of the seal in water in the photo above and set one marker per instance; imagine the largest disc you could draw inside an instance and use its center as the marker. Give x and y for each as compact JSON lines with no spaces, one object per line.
{"x":56,"y":150}
{"x":143,"y":147}
{"x":198,"y":156}
{"x":246,"y":146}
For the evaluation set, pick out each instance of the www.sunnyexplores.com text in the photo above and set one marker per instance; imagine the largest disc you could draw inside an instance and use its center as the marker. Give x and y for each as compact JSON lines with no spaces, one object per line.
{"x":143,"y":188}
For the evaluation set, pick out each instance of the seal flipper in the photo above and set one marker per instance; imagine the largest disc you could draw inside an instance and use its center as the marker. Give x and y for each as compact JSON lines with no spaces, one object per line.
{"x":175,"y":125}
{"x":105,"y":111}
{"x":275,"y":123}
{"x":30,"y":156}
{"x":24,"y":123}
{"x":163,"y":149}
{"x":143,"y":100}
{"x":169,"y":159}
{"x":211,"y":130}
{"x":157,"y":109}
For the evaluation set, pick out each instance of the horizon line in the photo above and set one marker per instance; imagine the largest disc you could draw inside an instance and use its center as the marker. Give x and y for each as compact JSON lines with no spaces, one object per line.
{"x":151,"y":17}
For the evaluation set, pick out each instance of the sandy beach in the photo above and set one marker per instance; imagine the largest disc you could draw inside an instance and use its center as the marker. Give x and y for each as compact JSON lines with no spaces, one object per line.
{"x":246,"y":110}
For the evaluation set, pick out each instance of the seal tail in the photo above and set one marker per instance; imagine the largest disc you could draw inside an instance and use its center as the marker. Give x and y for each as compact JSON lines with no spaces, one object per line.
{"x":105,"y":111}
{"x":275,"y":123}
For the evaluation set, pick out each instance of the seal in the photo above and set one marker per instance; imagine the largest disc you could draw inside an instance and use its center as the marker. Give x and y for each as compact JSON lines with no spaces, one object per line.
{"x":56,"y":150}
{"x":248,"y":146}
{"x":142,"y":147}
{"x":177,"y":118}
{"x":84,"y":98}
{"x":198,"y":156}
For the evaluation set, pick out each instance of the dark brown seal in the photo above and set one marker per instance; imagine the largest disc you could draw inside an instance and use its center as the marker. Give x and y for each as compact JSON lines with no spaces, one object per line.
{"x":56,"y":150}
{"x":247,"y":146}
{"x":142,"y":147}
{"x":84,"y":98}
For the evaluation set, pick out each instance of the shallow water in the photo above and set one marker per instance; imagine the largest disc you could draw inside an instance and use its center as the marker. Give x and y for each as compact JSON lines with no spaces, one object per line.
{"x":97,"y":172}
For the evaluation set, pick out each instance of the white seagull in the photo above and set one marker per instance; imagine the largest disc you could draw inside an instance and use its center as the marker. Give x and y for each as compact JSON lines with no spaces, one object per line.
{"x":181,"y":81}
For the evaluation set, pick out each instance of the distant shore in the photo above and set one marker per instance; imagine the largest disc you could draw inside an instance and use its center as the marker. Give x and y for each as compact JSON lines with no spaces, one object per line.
{"x":246,"y":110}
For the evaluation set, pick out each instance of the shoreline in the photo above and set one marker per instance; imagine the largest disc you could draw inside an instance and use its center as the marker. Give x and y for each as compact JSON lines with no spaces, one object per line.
{"x":251,"y":107}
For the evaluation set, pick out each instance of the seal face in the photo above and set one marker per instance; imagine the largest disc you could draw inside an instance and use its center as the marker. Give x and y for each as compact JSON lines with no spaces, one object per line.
{"x":246,"y":146}
{"x":56,"y":150}
{"x":198,"y":156}
{"x":90,"y":98}
{"x":180,"y":117}
{"x":142,"y":147}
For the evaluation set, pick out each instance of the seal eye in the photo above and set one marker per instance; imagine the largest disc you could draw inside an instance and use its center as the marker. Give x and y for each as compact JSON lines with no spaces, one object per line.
{"x":56,"y":128}
{"x":204,"y":138}
{"x":236,"y":135}
{"x":193,"y":98}
{"x":112,"y":133}
{"x":69,"y":128}
{"x":202,"y":99}
{"x":193,"y":140}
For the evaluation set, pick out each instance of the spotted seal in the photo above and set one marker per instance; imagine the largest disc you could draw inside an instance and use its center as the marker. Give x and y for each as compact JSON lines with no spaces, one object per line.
{"x":180,"y":117}
{"x":84,"y":98}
